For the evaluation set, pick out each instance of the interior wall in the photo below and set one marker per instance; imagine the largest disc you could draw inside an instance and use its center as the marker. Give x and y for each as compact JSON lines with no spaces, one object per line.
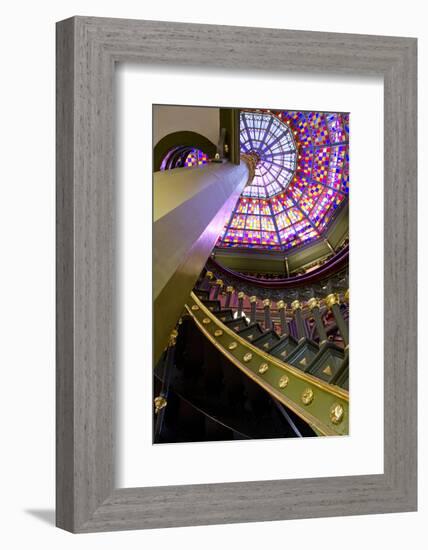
{"x":203,"y":120}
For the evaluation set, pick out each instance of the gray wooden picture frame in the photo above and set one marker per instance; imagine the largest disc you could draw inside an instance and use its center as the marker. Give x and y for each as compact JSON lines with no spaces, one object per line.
{"x":87,"y":51}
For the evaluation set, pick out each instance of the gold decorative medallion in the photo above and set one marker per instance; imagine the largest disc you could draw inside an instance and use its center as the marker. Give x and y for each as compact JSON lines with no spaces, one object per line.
{"x":209,"y":275}
{"x":195,"y":307}
{"x":232,"y":345}
{"x":266,"y":303}
{"x":263,"y":368}
{"x":218,"y":332}
{"x":307,"y":396}
{"x":160,"y":403}
{"x":247,"y":357}
{"x":280,"y":304}
{"x":253,"y":299}
{"x":206,"y":321}
{"x":229,"y":289}
{"x":283,"y":382}
{"x":337,"y":413}
{"x":240,"y":295}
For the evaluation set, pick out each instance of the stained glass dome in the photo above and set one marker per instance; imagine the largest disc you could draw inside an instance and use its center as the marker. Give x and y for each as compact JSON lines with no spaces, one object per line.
{"x":265,"y":137}
{"x":301,"y":179}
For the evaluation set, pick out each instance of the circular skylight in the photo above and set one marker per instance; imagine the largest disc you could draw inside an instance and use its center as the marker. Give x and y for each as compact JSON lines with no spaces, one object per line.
{"x":265,"y":137}
{"x":267,"y":219}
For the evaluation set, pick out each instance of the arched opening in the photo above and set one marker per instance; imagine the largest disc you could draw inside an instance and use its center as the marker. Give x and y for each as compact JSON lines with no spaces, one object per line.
{"x":183,"y":141}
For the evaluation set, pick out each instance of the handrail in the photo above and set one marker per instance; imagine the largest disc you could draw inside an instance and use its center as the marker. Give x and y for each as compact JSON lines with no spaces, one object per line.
{"x":323,"y":406}
{"x":332,"y":266}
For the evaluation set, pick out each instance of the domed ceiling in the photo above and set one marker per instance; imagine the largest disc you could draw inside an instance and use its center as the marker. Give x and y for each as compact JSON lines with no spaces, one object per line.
{"x":270,"y":142}
{"x":300,"y":181}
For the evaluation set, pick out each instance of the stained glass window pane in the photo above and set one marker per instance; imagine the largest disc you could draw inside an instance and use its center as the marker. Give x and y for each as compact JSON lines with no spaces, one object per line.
{"x":319,"y":128}
{"x":334,"y":122}
{"x":337,"y":159}
{"x":321,"y":163}
{"x":253,"y":222}
{"x":294,"y":214}
{"x":265,"y":137}
{"x":267,"y":223}
{"x":253,"y":207}
{"x":195,"y":158}
{"x":282,"y":220}
{"x":238,"y":222}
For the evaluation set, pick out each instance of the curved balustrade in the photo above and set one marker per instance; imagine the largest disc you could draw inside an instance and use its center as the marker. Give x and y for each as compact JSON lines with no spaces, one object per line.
{"x":294,"y":351}
{"x":332,"y":266}
{"x":322,"y":405}
{"x":201,"y":396}
{"x":322,"y":318}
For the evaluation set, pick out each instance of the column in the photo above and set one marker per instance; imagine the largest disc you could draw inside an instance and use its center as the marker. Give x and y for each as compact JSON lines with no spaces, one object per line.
{"x":253,"y":302}
{"x":206,"y":283}
{"x":314,"y":306}
{"x":332,"y":302}
{"x":297,"y":310}
{"x":240,"y":303}
{"x":191,"y":208}
{"x":281,"y":305}
{"x":287,"y":270}
{"x":217,"y":288}
{"x":229,"y":292}
{"x":268,"y":320}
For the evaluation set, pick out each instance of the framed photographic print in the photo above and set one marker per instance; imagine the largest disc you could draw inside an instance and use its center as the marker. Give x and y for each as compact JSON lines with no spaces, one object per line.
{"x":236,"y":274}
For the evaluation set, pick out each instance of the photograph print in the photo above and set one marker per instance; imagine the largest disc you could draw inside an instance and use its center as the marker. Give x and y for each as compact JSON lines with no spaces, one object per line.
{"x":250,"y":270}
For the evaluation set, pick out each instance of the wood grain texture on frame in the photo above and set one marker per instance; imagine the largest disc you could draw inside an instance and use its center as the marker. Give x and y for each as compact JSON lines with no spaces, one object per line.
{"x":87,"y":50}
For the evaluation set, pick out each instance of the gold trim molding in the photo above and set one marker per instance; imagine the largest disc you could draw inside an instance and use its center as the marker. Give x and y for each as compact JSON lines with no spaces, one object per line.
{"x":293,"y":394}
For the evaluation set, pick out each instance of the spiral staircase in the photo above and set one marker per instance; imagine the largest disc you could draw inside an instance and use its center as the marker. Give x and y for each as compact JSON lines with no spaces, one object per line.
{"x":240,"y":365}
